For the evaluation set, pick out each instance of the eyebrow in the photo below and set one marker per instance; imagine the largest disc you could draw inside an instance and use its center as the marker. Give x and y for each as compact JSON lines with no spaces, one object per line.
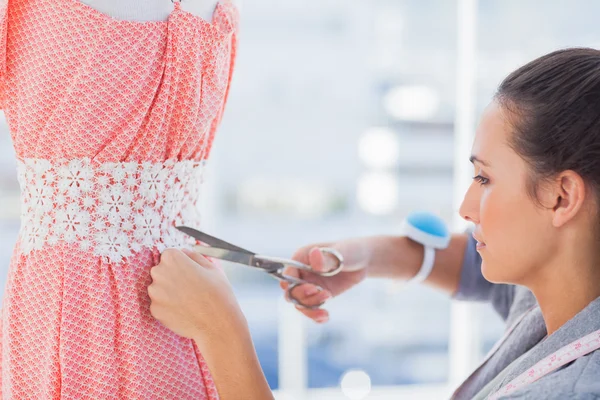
{"x":474,"y":158}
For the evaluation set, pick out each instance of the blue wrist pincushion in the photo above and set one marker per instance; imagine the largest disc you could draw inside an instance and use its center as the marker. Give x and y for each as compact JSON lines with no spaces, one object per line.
{"x":428,"y":229}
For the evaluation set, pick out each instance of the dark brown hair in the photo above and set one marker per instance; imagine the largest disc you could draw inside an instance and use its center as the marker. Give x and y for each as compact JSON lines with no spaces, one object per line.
{"x":553,"y":104}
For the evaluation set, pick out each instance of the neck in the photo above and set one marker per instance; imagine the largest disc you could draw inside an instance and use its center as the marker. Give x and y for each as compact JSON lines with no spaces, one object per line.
{"x":563,"y":288}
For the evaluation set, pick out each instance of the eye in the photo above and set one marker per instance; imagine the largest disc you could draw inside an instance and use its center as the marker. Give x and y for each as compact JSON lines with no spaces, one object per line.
{"x":481,"y":179}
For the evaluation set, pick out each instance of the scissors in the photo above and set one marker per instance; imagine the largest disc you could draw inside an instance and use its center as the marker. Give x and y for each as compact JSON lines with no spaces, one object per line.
{"x":273,"y":266}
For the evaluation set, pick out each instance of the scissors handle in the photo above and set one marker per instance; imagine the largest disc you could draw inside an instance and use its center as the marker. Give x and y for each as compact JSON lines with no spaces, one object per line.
{"x":293,"y":287}
{"x":290,"y":295}
{"x":305,"y":267}
{"x":293,"y":292}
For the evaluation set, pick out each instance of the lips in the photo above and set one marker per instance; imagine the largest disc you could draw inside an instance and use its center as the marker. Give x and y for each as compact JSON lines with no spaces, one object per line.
{"x":480,"y":243}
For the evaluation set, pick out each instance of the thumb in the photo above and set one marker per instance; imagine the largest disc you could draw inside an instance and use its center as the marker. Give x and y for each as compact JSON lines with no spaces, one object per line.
{"x":321,"y":261}
{"x":198,"y":258}
{"x":316,"y":259}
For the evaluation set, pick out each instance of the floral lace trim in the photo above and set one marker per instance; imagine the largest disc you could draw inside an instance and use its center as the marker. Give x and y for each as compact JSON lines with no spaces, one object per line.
{"x":110,"y":210}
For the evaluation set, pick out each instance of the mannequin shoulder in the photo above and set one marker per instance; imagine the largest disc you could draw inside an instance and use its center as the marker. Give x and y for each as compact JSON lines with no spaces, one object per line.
{"x":153,"y":10}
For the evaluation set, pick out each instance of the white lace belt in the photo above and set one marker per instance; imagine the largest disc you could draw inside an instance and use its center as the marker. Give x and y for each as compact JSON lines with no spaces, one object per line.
{"x":110,"y":210}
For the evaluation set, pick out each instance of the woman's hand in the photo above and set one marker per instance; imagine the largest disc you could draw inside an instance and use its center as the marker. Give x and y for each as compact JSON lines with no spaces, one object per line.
{"x":356,"y":253}
{"x":192,"y":297}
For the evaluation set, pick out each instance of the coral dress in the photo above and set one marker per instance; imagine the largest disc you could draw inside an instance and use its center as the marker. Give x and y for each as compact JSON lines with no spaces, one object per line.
{"x":112,"y":122}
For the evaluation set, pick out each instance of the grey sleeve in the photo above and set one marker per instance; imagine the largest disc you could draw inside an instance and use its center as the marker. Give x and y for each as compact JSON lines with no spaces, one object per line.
{"x":474,"y":287}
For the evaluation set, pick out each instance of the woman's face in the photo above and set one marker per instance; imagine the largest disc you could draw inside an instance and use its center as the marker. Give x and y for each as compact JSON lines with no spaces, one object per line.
{"x":514,"y":233}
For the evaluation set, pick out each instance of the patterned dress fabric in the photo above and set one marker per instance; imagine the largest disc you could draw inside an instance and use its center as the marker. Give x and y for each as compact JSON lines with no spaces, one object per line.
{"x":112,"y":122}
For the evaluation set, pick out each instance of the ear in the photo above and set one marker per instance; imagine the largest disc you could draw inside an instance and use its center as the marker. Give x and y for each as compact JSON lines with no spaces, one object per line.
{"x":568,"y":197}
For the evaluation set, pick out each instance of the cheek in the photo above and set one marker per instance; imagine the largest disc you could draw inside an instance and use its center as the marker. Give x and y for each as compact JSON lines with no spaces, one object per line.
{"x":500,"y":216}
{"x":508,"y":222}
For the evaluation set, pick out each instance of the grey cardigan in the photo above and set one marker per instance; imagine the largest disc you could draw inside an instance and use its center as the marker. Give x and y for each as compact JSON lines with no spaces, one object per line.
{"x":577,"y":380}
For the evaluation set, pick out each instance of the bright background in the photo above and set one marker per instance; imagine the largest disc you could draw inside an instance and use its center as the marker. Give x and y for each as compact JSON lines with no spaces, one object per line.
{"x":345,"y":115}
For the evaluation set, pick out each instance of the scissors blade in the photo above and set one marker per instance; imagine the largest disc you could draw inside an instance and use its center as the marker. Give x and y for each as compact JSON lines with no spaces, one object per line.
{"x":211,"y":240}
{"x":227,"y":255}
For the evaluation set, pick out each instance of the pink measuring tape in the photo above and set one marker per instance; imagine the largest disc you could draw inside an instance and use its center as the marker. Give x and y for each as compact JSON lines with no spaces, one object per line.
{"x":565,"y":355}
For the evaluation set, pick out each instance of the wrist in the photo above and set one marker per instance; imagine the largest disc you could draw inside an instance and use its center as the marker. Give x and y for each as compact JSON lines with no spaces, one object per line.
{"x":430,"y":231}
{"x":223,"y":329}
{"x":395,"y":257}
{"x":412,"y":259}
{"x":231,"y":358}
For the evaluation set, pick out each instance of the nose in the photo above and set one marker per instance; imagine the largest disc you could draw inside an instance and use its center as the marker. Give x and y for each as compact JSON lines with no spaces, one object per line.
{"x":469,"y":209}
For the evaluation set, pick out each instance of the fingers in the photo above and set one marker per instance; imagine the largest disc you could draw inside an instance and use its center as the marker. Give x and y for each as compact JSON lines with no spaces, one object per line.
{"x":323,"y":261}
{"x":320,"y":261}
{"x":309,"y":295}
{"x":312,"y":256}
{"x":179,"y":267}
{"x":294,"y":273}
{"x":309,"y":255}
{"x":318,"y":315}
{"x":157,"y":294}
{"x":317,"y":260}
{"x":198,"y":258}
{"x":152,"y":291}
{"x":301,"y":254}
{"x":171,"y":256}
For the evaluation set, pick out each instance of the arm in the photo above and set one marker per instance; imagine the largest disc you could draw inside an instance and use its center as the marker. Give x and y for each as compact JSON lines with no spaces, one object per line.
{"x":457,"y":269}
{"x":234,"y":366}
{"x":392,"y":257}
{"x":400,"y":258}
{"x":193,"y":298}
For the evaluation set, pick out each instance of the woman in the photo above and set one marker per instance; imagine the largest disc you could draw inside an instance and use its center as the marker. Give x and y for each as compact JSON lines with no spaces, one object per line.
{"x":534,"y":202}
{"x":112,"y":108}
